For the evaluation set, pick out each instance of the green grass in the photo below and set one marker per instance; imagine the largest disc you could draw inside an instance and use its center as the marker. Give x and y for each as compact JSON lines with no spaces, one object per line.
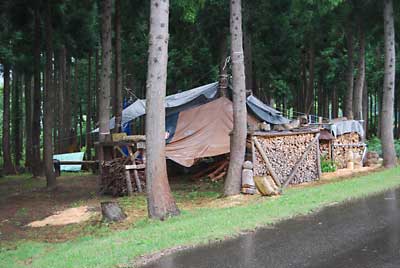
{"x":192,"y":227}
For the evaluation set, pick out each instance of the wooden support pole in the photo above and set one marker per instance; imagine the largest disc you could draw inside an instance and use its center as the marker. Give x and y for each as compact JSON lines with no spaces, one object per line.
{"x":128,"y":182}
{"x":318,"y":159}
{"x":300,"y":161}
{"x":137,"y":180}
{"x":267,"y":163}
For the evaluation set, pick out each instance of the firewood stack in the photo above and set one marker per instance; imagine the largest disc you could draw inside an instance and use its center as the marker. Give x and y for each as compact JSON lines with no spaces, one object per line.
{"x":284,"y":152}
{"x":340,"y":153}
{"x":113,"y":179}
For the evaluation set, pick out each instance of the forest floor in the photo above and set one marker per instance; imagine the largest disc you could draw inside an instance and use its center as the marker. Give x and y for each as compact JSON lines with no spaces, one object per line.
{"x":205,"y":217}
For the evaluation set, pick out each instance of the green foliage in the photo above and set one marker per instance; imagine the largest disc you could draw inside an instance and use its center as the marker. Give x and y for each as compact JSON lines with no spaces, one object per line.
{"x":375,"y":145}
{"x":328,"y":165}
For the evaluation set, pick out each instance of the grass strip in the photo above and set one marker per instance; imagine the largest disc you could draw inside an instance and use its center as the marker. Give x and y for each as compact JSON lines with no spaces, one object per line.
{"x":193,"y":227}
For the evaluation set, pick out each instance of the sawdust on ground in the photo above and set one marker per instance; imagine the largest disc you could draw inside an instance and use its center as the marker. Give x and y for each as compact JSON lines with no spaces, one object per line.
{"x":68,"y":216}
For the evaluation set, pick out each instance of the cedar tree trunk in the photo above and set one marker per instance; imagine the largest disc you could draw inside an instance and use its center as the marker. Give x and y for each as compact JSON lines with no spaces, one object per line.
{"x":359,"y":86}
{"x":118,"y":71}
{"x":48,"y":116}
{"x":37,"y":168}
{"x":105,"y":79}
{"x":238,"y":137}
{"x":8,"y":167}
{"x":160,"y":202}
{"x":389,"y":154}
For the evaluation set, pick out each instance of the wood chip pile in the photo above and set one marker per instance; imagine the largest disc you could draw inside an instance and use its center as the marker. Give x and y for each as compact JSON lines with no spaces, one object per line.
{"x":341,"y":153}
{"x":113,"y":179}
{"x":285,"y":152}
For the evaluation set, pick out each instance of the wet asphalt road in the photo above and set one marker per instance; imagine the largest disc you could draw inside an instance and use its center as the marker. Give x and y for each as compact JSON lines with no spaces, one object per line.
{"x":360,"y":234}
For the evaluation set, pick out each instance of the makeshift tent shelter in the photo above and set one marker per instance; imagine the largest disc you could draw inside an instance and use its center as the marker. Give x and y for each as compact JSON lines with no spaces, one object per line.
{"x":199,"y":122}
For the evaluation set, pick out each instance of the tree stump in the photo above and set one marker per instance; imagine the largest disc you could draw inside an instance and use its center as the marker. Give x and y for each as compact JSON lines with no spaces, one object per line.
{"x":111,"y":211}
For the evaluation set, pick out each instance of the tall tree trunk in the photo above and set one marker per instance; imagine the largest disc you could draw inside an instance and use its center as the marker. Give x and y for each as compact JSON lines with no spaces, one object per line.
{"x":239,"y":133}
{"x":223,"y":66}
{"x":310,"y":84}
{"x":389,"y":154}
{"x":335,"y":103}
{"x":28,"y":121}
{"x":61,"y":100}
{"x":89,"y":111}
{"x":97,"y":87}
{"x":303,"y":95}
{"x":76,"y":97}
{"x":118,"y":69}
{"x":8,"y":167}
{"x":248,"y":59}
{"x":348,"y":97}
{"x":16,"y":119}
{"x":37,"y":100}
{"x":48,"y":116}
{"x":160,"y":202}
{"x":365,"y":108}
{"x":105,"y":82}
{"x":67,"y":106}
{"x":359,"y":86}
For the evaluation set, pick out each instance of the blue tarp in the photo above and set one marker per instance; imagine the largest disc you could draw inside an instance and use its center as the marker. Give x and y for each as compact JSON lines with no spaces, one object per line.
{"x":70,"y":157}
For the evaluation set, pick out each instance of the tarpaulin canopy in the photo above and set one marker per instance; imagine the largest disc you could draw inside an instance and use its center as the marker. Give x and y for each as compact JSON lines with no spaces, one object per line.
{"x":138,"y":108}
{"x":201,"y":132}
{"x":264,"y":112}
{"x":199,"y":96}
{"x":347,"y":126}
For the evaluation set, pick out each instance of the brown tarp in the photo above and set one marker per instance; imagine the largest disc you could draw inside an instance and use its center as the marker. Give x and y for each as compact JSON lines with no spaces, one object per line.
{"x":201,"y":132}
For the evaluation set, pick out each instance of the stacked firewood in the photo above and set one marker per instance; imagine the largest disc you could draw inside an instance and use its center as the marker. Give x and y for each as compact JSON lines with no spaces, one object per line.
{"x":113,"y":178}
{"x":284,"y":152}
{"x":341,"y":151}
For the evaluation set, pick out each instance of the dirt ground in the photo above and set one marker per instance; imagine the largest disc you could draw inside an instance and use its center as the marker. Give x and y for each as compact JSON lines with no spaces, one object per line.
{"x":24,"y":200}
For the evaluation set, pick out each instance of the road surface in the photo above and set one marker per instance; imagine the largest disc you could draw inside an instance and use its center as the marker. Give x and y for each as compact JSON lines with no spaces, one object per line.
{"x":359,"y":234}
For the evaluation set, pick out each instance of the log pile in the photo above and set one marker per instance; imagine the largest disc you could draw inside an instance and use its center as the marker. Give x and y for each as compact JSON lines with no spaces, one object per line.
{"x":343,"y":145}
{"x":113,"y":178}
{"x":294,"y":158}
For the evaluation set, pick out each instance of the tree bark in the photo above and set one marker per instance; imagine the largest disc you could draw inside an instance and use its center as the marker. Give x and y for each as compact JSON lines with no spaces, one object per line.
{"x":359,"y":86}
{"x":76,"y":97}
{"x":310,"y":84}
{"x":48,"y":116}
{"x":365,"y":108}
{"x":89,"y":111}
{"x":61,"y":101}
{"x":389,"y":154}
{"x":238,"y":137}
{"x":28,"y":121}
{"x":223,"y":66}
{"x":37,"y":100}
{"x":105,"y":79}
{"x":248,"y":59}
{"x":160,"y":202}
{"x":8,"y":167}
{"x":16,"y":119}
{"x":67,"y":106}
{"x":348,"y":97}
{"x":118,"y":70}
